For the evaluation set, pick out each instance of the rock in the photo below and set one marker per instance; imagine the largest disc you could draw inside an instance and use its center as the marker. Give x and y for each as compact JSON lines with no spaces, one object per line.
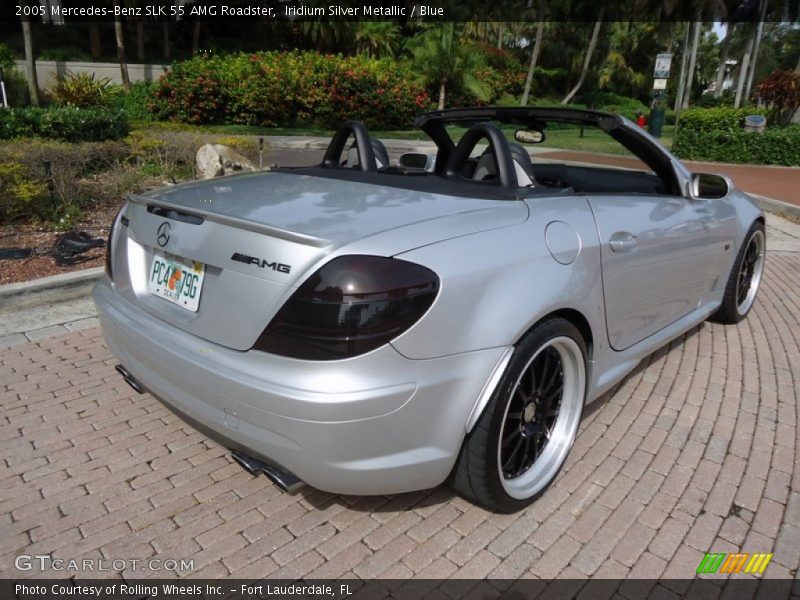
{"x":215,"y":160}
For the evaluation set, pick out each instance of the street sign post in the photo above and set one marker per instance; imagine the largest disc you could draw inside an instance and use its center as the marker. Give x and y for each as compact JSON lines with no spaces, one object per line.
{"x":660,"y":76}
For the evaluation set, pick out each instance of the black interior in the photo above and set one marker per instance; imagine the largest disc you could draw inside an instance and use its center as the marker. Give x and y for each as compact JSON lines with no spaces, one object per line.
{"x":455,"y":167}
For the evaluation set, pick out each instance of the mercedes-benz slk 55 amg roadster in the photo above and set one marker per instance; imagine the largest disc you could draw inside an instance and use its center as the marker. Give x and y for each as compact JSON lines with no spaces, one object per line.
{"x":375,"y":324}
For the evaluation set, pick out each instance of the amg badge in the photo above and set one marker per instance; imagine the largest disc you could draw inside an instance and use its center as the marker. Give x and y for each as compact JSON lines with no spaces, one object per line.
{"x":264,"y":264}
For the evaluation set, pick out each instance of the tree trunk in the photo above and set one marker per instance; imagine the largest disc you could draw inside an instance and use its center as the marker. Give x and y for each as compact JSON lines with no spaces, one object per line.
{"x":588,"y":59}
{"x":196,"y":37}
{"x":30,"y":62}
{"x":140,"y":40}
{"x":95,"y":47}
{"x":740,"y":79}
{"x":754,"y":61}
{"x":682,"y":75}
{"x":123,"y":65}
{"x":500,"y":31}
{"x":687,"y":92}
{"x":537,"y":48}
{"x":442,"y":90}
{"x":726,"y":46}
{"x":165,"y":30}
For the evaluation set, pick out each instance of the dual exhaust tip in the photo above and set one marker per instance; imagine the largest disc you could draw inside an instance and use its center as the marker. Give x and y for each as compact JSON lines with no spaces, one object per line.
{"x":283,"y":479}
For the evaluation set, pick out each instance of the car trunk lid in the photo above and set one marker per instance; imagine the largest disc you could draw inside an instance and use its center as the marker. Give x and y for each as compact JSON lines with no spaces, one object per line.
{"x":260,"y":235}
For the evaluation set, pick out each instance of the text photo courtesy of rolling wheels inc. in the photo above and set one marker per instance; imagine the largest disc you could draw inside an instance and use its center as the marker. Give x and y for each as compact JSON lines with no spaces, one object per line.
{"x":399,"y":300}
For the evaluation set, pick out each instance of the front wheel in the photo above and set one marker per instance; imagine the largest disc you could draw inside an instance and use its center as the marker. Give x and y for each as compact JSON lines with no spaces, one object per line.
{"x":745,"y":277}
{"x":528,"y":427}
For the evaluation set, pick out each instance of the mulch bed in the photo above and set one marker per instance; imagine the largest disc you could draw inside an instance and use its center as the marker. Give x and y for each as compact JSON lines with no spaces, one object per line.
{"x":95,"y":222}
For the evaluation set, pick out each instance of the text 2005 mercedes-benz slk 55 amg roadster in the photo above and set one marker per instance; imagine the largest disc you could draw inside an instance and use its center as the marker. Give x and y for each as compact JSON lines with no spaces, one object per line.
{"x":372,"y":328}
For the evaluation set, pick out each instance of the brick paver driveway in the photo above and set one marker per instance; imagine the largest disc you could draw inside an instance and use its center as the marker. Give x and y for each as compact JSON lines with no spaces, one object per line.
{"x":696,"y":451}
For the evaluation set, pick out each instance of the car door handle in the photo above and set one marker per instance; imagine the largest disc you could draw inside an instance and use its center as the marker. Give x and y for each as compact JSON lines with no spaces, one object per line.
{"x":623,"y":241}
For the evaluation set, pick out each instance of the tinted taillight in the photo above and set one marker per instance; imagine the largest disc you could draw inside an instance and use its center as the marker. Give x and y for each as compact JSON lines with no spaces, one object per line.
{"x":112,"y":229}
{"x":350,"y":306}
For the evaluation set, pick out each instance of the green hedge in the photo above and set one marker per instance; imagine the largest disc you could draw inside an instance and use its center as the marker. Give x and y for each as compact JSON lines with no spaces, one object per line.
{"x":722,"y":118}
{"x":290,"y":89}
{"x":772,"y":147}
{"x":63,"y":123}
{"x":716,"y":134}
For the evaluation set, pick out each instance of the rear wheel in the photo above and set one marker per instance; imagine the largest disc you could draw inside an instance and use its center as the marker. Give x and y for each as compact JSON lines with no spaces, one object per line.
{"x":745,"y":277}
{"x":528,"y":427}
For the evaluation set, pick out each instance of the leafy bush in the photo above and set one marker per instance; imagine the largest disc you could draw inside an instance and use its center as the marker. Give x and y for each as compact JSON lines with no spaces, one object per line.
{"x":289,"y":89}
{"x":63,"y":123}
{"x":136,"y":103}
{"x":623,"y":105}
{"x":781,"y":92}
{"x":52,"y":180}
{"x":16,"y":86}
{"x":709,"y":101}
{"x":83,"y":90}
{"x":772,"y":147}
{"x":720,"y":119}
{"x":18,"y":191}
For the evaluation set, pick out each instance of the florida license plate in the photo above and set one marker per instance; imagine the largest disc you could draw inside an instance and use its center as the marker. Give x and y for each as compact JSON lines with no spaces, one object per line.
{"x":176,"y":279}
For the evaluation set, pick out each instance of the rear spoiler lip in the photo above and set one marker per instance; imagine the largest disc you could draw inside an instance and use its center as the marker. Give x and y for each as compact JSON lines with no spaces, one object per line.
{"x":291,"y":236}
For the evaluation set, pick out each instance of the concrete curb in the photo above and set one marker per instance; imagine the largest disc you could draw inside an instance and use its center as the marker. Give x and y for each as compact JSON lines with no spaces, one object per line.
{"x":783,"y":209}
{"x":56,"y":288}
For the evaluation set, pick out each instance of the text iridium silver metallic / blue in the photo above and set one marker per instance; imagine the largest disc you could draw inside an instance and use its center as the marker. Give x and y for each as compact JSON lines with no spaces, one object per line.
{"x":371,"y":328}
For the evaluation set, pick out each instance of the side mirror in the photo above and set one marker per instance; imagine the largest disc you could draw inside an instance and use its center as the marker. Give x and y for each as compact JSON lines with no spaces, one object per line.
{"x":417,"y":160}
{"x":529,"y":136}
{"x":709,"y":186}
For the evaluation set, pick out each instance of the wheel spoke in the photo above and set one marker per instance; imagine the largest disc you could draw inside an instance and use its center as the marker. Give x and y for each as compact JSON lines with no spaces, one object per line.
{"x":512,"y":434}
{"x":554,"y":394}
{"x":513,"y":453}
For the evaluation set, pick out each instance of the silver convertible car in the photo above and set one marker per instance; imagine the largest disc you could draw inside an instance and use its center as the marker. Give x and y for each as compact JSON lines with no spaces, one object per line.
{"x":371,"y":326}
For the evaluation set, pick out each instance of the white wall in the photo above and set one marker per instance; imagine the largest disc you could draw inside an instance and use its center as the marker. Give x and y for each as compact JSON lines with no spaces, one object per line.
{"x":48,"y":70}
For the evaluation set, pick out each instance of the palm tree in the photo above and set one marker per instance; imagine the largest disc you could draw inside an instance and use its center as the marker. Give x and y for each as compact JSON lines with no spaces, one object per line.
{"x":588,"y":57}
{"x":696,"y":26}
{"x":30,"y":61}
{"x":535,"y":50}
{"x":623,"y":68}
{"x":442,"y":60}
{"x":123,"y":64}
{"x":377,"y":38}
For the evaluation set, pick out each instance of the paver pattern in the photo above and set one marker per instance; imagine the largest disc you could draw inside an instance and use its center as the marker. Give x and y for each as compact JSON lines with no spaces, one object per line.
{"x":696,"y":451}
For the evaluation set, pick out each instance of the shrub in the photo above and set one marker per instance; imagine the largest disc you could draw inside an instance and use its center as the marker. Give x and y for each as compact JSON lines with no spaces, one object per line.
{"x":772,"y":147}
{"x":623,"y":105}
{"x":16,"y":86}
{"x":63,"y":123}
{"x":723,"y":118}
{"x":781,"y":92}
{"x":290,"y":89}
{"x":83,"y":90}
{"x":19,"y":193}
{"x":136,"y":103}
{"x":52,"y":180}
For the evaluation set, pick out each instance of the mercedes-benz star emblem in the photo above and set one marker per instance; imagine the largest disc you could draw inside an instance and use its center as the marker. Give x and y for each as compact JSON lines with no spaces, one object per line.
{"x":163,"y":234}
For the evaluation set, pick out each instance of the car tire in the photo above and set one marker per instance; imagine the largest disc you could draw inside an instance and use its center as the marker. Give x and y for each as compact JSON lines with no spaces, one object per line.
{"x":745,"y":277}
{"x":524,"y":434}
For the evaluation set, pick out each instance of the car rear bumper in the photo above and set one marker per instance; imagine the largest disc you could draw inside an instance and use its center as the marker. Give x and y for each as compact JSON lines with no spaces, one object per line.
{"x":375,"y":424}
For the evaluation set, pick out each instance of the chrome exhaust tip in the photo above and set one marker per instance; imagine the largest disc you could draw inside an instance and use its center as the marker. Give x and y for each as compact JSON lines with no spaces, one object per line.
{"x":283,"y":479}
{"x":130,"y":379}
